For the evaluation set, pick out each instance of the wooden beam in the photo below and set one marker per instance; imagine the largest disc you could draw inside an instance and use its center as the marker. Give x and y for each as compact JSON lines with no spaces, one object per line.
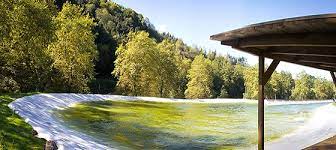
{"x":316,"y":59}
{"x":291,"y":40}
{"x":252,"y":51}
{"x":333,"y":77}
{"x":296,"y":61}
{"x":270,"y":71}
{"x":261,"y":104}
{"x":329,"y":64}
{"x":302,"y":51}
{"x":304,"y":54}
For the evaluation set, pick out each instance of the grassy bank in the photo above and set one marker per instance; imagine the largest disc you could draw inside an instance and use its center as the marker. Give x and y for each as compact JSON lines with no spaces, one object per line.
{"x":14,"y":132}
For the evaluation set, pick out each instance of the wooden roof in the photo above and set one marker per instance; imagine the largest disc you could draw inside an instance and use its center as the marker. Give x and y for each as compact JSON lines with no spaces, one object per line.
{"x":308,"y":40}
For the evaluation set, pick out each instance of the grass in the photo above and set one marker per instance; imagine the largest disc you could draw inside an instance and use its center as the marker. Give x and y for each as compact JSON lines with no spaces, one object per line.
{"x":14,"y":132}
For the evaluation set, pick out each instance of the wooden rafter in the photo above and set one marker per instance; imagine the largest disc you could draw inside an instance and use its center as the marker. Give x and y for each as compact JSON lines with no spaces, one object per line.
{"x":308,"y":59}
{"x":333,"y":77}
{"x":309,"y":64}
{"x":290,"y":40}
{"x":302,"y":51}
{"x":324,"y":64}
{"x":270,"y":70}
{"x":319,"y":59}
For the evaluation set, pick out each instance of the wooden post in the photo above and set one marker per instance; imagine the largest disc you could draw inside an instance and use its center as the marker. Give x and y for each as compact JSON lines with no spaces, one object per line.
{"x":264,"y":76}
{"x":333,"y":77}
{"x":261,"y":103}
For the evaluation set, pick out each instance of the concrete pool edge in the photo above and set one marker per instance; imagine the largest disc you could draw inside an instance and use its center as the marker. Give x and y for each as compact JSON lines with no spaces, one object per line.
{"x":49,"y":128}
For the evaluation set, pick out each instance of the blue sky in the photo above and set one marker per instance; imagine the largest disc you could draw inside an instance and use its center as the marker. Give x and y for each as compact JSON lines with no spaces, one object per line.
{"x":195,"y":20}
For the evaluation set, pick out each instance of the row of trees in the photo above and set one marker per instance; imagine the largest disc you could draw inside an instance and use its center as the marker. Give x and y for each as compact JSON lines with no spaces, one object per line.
{"x":149,"y":68}
{"x":58,"y":46}
{"x":283,"y":86}
{"x":145,"y":67}
{"x":45,"y":50}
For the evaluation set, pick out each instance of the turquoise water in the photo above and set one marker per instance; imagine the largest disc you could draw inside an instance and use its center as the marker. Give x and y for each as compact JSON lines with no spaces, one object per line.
{"x":154,"y":125}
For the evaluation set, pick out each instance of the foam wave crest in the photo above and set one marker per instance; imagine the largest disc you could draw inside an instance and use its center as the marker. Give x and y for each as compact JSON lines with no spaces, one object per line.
{"x":320,"y":126}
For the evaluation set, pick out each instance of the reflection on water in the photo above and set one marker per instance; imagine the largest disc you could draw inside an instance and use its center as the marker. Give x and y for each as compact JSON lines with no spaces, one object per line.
{"x":153,"y":125}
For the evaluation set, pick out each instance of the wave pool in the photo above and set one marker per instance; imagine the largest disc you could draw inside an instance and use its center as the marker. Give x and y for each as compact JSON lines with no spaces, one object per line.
{"x":164,"y":125}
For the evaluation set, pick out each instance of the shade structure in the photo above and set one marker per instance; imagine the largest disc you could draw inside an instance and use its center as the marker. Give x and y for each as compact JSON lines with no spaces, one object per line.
{"x":308,"y":41}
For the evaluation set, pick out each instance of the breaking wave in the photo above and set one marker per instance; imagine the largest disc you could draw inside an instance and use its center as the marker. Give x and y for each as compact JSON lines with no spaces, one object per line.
{"x":320,"y":126}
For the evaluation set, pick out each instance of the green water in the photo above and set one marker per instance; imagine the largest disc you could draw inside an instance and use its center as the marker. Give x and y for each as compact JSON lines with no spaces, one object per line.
{"x":153,"y":125}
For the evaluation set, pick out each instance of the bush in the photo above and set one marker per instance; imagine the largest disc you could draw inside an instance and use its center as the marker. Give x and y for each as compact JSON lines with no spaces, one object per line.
{"x":8,"y":84}
{"x":102,"y":86}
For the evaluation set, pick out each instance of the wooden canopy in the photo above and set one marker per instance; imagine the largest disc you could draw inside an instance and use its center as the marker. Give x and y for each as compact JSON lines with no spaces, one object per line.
{"x":308,"y":41}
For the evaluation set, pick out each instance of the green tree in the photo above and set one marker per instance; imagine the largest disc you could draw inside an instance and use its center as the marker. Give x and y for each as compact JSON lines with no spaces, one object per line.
{"x":26,"y":31}
{"x":136,"y":64}
{"x":114,"y":22}
{"x":237,"y":88}
{"x":282,"y":84}
{"x":303,"y":89}
{"x":150,"y":69}
{"x":323,"y":89}
{"x":200,"y":83}
{"x":251,"y":83}
{"x":183,"y":65}
{"x":228,"y":77}
{"x":5,"y":78}
{"x":167,"y":69}
{"x":73,"y":50}
{"x":222,"y":73}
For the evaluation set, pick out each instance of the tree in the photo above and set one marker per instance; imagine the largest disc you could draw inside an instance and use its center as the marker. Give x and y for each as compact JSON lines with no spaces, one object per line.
{"x":74,"y":50}
{"x":136,"y":63}
{"x":303,"y":89}
{"x":282,"y":84}
{"x":200,"y":83}
{"x":167,"y":69}
{"x":251,"y":83}
{"x":183,"y":65}
{"x":114,"y":22}
{"x":147,"y":68}
{"x":222,"y":73}
{"x":237,"y":88}
{"x":24,"y":40}
{"x":323,"y":89}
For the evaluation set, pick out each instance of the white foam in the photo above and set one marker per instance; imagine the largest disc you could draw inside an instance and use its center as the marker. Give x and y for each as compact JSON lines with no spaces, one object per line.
{"x":321,"y":126}
{"x":37,"y":111}
{"x":290,"y":102}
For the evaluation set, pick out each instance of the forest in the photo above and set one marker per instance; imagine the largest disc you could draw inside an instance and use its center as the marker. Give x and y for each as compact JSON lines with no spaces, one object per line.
{"x":98,"y":46}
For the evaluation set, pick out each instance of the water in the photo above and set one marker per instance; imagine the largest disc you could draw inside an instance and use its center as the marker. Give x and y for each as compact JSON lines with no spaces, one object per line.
{"x":154,"y":125}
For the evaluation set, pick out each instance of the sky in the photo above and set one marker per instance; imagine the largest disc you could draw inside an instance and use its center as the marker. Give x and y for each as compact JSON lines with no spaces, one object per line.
{"x":194,"y":21}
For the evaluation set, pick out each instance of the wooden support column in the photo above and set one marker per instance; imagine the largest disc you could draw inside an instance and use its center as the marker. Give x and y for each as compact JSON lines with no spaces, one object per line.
{"x":263,"y":79}
{"x":261,"y":104}
{"x":333,"y":77}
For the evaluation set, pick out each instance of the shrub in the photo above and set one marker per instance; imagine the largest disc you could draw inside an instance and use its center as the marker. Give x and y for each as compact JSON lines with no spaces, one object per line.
{"x":102,"y":86}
